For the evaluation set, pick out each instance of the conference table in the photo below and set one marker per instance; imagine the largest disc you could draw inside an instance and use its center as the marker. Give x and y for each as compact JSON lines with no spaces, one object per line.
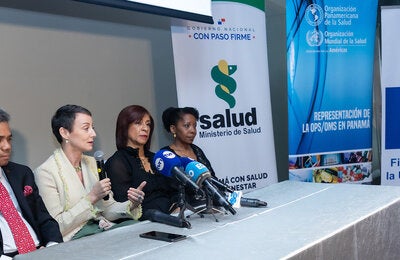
{"x":302,"y":221}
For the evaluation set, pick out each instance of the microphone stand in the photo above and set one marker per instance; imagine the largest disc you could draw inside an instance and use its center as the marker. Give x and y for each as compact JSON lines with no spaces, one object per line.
{"x":207,"y":209}
{"x":182,"y":207}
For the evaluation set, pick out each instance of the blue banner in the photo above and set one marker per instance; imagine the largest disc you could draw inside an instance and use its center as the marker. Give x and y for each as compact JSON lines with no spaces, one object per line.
{"x":330,"y":47}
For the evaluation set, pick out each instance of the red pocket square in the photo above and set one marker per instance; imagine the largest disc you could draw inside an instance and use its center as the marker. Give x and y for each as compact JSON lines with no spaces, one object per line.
{"x":27,"y":190}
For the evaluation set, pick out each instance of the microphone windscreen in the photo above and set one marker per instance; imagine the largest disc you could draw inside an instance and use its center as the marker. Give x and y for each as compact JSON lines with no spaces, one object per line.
{"x":98,"y":155}
{"x":164,"y":161}
{"x":197,"y":172}
{"x":185,"y":161}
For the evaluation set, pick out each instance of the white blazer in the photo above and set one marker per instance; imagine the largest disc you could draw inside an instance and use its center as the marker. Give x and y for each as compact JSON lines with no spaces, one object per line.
{"x":66,"y":197}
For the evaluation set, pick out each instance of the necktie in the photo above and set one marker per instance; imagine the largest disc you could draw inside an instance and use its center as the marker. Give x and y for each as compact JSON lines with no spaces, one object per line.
{"x":22,"y":237}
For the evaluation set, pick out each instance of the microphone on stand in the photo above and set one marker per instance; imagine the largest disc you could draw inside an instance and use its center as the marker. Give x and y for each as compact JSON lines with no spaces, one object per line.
{"x":199,"y":173}
{"x":221,"y":186}
{"x":169,"y":164}
{"x":185,"y":161}
{"x":99,"y":156}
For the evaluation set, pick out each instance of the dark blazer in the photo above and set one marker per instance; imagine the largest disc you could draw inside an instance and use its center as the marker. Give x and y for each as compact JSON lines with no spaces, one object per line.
{"x":32,"y":206}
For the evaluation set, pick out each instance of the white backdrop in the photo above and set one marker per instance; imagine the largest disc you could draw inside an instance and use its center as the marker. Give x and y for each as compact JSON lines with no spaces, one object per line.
{"x":222,"y":70}
{"x":390,"y":82}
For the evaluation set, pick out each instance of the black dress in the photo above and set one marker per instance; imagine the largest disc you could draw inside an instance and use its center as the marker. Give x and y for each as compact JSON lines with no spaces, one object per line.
{"x":125,"y":170}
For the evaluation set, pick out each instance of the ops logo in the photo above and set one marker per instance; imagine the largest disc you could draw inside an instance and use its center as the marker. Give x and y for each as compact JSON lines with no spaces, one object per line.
{"x":226,"y":85}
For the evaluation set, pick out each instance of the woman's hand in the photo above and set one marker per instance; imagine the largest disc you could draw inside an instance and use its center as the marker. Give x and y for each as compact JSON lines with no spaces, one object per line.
{"x":100,"y":190}
{"x":136,"y":196}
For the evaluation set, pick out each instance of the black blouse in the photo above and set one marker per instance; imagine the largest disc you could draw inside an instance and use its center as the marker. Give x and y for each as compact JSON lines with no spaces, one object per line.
{"x":125,"y":170}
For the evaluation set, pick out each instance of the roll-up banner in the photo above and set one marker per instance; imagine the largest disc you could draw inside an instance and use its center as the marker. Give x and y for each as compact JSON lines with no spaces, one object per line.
{"x":390,"y":84}
{"x":330,"y":51}
{"x":221,"y":69}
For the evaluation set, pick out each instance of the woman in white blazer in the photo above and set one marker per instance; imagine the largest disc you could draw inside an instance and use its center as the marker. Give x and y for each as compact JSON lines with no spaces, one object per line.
{"x":69,"y":183}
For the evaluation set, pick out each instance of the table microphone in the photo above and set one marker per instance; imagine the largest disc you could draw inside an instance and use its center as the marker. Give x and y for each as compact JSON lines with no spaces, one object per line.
{"x":237,"y":201}
{"x":248,"y":202}
{"x":156,"y":215}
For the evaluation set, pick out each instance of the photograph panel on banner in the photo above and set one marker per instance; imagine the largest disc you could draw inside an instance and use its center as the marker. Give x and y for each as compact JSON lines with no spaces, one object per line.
{"x":222,"y":70}
{"x":390,"y":84}
{"x":330,"y":50}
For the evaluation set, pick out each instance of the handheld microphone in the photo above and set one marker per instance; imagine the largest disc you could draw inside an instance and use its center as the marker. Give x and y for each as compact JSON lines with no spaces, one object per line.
{"x":168,"y":164}
{"x":98,"y":155}
{"x":161,"y":217}
{"x":200,"y":174}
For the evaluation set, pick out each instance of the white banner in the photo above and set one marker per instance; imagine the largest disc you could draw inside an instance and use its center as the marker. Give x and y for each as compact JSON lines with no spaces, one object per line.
{"x":390,"y":83}
{"x":222,"y":70}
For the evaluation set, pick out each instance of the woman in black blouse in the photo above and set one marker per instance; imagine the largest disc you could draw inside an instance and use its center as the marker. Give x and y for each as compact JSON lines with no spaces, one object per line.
{"x":131,"y":164}
{"x":182,"y":123}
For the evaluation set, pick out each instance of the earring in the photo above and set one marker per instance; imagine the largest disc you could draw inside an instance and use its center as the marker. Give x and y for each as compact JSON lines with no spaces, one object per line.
{"x":66,"y":141}
{"x":174,"y":135}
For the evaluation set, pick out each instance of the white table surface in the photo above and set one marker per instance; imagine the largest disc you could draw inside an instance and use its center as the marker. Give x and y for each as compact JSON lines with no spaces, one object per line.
{"x":302,"y":221}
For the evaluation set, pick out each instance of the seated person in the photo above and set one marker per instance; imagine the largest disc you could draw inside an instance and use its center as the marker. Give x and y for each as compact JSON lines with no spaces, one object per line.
{"x":182,"y":123}
{"x":69,"y":182}
{"x":132,"y":163}
{"x":21,"y":205}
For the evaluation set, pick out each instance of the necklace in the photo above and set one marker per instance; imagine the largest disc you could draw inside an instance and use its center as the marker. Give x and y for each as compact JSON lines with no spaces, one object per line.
{"x":146,"y":164}
{"x":78,"y":168}
{"x":185,"y":153}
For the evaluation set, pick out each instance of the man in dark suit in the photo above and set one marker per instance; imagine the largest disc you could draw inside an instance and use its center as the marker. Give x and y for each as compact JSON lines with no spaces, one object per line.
{"x":17,"y":180}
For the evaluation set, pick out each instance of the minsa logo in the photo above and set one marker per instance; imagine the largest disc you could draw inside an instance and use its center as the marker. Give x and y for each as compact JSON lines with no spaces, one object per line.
{"x":229,"y":119}
{"x":226,"y":84}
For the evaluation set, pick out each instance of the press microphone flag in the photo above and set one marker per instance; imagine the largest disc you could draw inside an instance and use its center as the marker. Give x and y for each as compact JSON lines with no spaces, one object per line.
{"x":169,"y":164}
{"x":99,"y":156}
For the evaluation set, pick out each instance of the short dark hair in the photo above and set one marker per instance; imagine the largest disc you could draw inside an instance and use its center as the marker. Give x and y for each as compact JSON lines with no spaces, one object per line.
{"x":128,"y":115}
{"x":4,"y":116}
{"x":65,"y":117}
{"x":172,"y":115}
